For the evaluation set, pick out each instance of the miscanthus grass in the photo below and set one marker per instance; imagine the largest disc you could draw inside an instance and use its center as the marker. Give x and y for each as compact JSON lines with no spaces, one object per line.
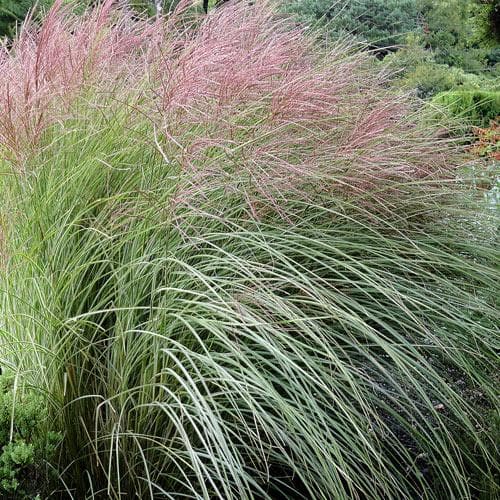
{"x":237,"y":267}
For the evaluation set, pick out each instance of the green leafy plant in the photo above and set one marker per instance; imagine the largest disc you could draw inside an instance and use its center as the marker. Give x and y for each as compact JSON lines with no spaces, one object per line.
{"x":474,"y":107}
{"x":25,"y":442}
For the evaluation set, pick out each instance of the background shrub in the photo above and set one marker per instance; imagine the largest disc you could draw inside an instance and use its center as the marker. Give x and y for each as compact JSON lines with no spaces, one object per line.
{"x":25,"y":441}
{"x":380,"y":23}
{"x":13,"y":12}
{"x":474,"y":107}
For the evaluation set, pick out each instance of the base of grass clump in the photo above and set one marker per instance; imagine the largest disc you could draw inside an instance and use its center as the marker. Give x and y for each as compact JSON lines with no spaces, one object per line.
{"x":236,"y":266}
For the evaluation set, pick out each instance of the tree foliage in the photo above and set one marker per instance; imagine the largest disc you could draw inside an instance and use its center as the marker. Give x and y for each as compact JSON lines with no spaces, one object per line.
{"x":380,"y":22}
{"x":11,"y":12}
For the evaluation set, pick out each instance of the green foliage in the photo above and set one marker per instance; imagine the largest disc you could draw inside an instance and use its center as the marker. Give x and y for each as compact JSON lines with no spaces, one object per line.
{"x":448,"y":44}
{"x":445,"y":27}
{"x":474,"y":107}
{"x":411,"y":53}
{"x":15,"y":457}
{"x":430,"y":79}
{"x":24,"y":440}
{"x":487,"y":21}
{"x":380,"y":22}
{"x":493,"y":56}
{"x":13,"y":12}
{"x":458,"y":32}
{"x":417,"y":69}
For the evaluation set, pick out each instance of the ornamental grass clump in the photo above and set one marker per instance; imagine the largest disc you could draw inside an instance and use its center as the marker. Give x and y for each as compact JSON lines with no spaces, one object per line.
{"x":236,"y":266}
